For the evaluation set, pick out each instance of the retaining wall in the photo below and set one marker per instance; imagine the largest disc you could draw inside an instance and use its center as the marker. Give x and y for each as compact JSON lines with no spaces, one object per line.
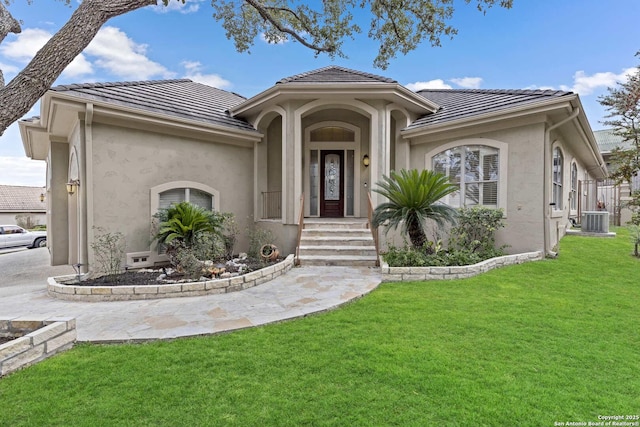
{"x":172,"y":290}
{"x":406,"y":274}
{"x":37,"y":340}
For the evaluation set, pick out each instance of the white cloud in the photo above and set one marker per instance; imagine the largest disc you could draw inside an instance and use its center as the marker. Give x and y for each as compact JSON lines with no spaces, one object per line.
{"x":120,"y":55}
{"x":25,"y":45}
{"x":193,"y":71}
{"x":22,"y":171}
{"x":79,"y":66}
{"x":468,"y":82}
{"x":584,"y":84}
{"x":431,"y":84}
{"x":189,"y":6}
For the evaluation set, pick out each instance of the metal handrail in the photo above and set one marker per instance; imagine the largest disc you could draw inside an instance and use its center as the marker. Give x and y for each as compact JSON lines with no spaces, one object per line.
{"x":300,"y":227}
{"x":374,"y":230}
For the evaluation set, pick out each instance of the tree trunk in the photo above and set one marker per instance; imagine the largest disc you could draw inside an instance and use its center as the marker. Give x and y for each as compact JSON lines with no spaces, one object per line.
{"x":416,"y":233}
{"x":37,"y":77}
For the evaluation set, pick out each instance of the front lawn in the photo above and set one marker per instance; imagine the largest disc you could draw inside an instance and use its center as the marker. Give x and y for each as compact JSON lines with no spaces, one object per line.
{"x":547,"y":342}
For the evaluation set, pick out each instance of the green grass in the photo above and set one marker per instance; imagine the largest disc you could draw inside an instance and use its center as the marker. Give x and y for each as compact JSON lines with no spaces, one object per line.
{"x":529,"y":345}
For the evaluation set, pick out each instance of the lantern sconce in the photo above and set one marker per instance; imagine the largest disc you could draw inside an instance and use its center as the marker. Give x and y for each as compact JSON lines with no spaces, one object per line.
{"x":365,"y":160}
{"x":72,"y":186}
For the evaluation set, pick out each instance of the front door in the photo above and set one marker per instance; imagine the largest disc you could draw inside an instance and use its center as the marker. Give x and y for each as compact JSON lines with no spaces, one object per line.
{"x":331,"y":184}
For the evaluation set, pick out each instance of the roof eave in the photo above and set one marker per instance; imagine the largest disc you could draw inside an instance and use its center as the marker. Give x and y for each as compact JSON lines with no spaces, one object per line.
{"x":355,"y":89}
{"x":489,"y":117}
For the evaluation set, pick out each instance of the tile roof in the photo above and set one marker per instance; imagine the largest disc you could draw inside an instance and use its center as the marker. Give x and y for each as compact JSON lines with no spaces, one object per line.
{"x":335,"y":74}
{"x":456,"y":104}
{"x":607,"y":141}
{"x":15,"y":198}
{"x":180,"y":98}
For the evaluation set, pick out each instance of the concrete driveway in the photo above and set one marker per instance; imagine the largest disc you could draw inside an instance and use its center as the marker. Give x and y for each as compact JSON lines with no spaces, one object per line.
{"x":23,"y":270}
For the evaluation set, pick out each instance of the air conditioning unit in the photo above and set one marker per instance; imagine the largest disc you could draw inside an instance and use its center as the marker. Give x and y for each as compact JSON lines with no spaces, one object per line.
{"x":595,"y":221}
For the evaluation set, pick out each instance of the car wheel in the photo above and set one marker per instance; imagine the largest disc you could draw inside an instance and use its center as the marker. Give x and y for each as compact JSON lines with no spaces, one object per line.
{"x":40,"y":243}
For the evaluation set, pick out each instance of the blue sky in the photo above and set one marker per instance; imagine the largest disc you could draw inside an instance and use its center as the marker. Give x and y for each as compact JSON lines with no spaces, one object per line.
{"x":580,"y":45}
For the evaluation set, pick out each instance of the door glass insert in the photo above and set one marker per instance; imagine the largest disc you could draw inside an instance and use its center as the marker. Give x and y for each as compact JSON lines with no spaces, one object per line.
{"x":350,"y":180}
{"x":332,"y":177}
{"x":314,"y":183}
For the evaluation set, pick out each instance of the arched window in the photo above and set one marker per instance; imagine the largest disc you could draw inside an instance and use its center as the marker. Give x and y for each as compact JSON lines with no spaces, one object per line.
{"x":162,"y":196}
{"x":574,"y":187}
{"x":558,"y":161}
{"x":475,"y":169}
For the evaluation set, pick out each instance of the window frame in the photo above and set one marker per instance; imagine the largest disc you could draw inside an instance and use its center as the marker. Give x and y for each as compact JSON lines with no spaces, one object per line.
{"x":573,"y":191}
{"x":557,"y":190}
{"x":502,"y":149}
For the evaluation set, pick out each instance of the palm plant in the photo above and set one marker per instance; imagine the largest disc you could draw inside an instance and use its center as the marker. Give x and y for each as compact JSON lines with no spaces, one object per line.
{"x":412,"y":199}
{"x":183,"y":222}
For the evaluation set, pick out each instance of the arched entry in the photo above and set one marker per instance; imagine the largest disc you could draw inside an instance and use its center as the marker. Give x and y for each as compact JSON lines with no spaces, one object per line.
{"x":332,"y":174}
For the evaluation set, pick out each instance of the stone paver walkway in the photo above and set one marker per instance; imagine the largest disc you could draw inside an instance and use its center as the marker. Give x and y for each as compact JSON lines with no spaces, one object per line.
{"x":300,"y":292}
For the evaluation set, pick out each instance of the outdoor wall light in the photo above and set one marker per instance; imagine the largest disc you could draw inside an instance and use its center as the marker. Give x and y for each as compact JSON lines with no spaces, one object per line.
{"x":41,"y":197}
{"x":72,"y":186}
{"x":365,"y":160}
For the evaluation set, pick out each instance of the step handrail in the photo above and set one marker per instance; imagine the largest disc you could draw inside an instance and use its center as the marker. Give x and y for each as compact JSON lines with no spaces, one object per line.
{"x":300,"y":227}
{"x":374,"y":230}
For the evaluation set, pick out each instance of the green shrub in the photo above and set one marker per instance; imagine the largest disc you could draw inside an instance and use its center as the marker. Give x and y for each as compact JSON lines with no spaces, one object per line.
{"x":258,"y":237}
{"x":475,"y":231}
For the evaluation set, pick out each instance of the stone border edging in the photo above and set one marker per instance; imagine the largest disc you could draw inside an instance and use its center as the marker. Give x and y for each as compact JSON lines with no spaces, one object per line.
{"x":169,"y":290}
{"x":45,"y":338}
{"x":406,"y":274}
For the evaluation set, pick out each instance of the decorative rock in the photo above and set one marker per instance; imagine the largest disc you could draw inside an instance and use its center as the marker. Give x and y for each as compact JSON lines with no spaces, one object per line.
{"x":225,"y":275}
{"x":161,"y":277}
{"x":242,"y":256}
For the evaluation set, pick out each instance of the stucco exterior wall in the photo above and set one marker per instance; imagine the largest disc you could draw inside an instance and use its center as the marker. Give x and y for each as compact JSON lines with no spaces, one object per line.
{"x":524,"y":179}
{"x":9,"y":218}
{"x":127,"y":163}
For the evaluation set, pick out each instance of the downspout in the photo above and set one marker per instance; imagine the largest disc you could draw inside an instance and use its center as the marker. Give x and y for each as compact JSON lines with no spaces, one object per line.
{"x":547,"y":181}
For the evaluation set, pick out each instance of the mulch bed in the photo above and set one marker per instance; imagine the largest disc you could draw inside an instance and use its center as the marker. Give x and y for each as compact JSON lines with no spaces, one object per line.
{"x":134,"y":278}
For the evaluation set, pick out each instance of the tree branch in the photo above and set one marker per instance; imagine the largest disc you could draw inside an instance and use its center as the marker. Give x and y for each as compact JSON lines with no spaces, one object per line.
{"x":264,"y":13}
{"x":8,"y":24}
{"x":37,"y":77}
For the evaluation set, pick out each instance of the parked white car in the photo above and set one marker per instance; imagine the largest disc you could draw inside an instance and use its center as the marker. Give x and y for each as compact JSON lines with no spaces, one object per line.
{"x":13,"y":235}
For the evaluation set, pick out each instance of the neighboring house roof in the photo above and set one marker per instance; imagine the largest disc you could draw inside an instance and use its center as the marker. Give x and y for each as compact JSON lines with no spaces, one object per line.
{"x":607,"y":141}
{"x":181,"y":98}
{"x":15,"y":198}
{"x":335,"y":74}
{"x":458,"y":104}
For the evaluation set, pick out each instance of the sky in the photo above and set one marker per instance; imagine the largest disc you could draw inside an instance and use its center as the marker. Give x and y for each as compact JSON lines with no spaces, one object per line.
{"x":584,"y":46}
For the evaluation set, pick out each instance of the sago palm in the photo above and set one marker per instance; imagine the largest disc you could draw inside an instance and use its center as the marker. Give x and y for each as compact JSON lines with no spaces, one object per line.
{"x":413,"y":198}
{"x":184,"y":221}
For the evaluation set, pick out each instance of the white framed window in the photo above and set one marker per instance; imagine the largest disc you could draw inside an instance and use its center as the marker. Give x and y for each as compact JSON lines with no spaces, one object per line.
{"x":162,"y":196}
{"x":475,"y":170}
{"x":558,"y":161}
{"x":573,"y":196}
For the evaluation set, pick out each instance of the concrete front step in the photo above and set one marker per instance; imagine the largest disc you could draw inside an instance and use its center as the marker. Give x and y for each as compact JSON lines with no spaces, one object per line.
{"x":336,"y":240}
{"x":338,"y":250}
{"x":343,"y":242}
{"x":338,"y":260}
{"x":342,"y":224}
{"x":325,"y":232}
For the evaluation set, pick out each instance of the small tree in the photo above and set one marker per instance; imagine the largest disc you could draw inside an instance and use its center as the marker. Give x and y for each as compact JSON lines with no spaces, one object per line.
{"x":109,"y":250}
{"x":623,"y":105}
{"x":413,"y":199}
{"x":183,"y":222}
{"x":26,"y":221}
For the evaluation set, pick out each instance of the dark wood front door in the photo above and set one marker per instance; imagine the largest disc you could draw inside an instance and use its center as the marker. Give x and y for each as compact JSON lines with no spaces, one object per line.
{"x":331,"y":184}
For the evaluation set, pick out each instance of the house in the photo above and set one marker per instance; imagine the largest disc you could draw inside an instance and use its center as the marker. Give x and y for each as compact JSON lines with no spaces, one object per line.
{"x":614,"y":196}
{"x":24,"y":204}
{"x":317,"y":142}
